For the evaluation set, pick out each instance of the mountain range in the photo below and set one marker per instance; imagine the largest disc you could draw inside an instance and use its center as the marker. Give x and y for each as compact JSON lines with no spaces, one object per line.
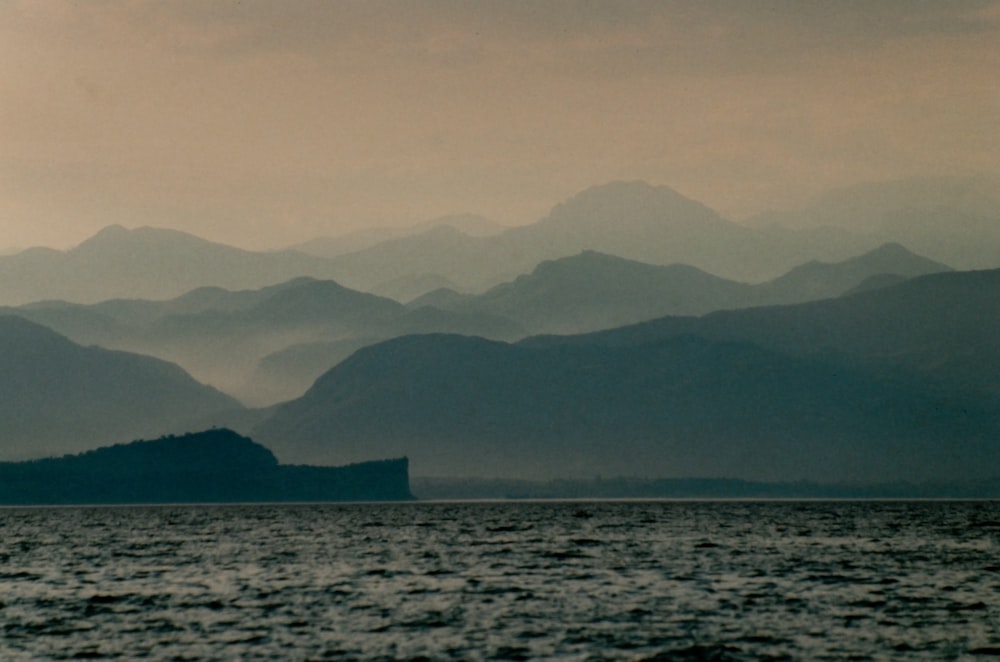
{"x":221,"y":336}
{"x":58,"y":397}
{"x":268,"y":345}
{"x":632,"y":331}
{"x":592,"y":291}
{"x":632,"y":220}
{"x":955,"y":220}
{"x":896,"y":383}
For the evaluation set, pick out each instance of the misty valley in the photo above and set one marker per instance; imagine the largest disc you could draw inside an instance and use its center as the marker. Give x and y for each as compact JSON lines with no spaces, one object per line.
{"x":633,"y":342}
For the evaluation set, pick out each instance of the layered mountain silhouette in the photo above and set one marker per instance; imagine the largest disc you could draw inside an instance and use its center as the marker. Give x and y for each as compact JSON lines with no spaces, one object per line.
{"x":941,"y":326}
{"x":144,"y":263}
{"x":633,"y":220}
{"x":214,"y":466}
{"x":890,"y":384}
{"x":592,"y":291}
{"x":955,"y":220}
{"x":270,"y":344}
{"x":221,"y":337}
{"x":58,"y":397}
{"x":887,"y":264}
{"x":473,"y":225}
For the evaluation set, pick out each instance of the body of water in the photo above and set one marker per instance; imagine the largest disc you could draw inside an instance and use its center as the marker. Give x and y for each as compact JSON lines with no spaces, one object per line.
{"x":658,"y":580}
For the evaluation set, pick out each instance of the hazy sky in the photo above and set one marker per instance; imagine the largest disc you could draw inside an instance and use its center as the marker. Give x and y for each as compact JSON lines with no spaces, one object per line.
{"x":262,"y":123}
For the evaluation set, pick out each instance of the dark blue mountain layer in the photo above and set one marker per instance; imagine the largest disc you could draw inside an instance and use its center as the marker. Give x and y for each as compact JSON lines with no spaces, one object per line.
{"x":216,"y":466}
{"x":892,"y":384}
{"x":59,"y":397}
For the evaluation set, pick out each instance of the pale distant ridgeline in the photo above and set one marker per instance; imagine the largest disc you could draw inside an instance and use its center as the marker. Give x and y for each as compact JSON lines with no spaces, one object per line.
{"x":632,"y":220}
{"x":270,"y":344}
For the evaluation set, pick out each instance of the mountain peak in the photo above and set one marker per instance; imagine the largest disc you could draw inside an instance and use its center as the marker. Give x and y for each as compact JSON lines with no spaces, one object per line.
{"x":635,"y":203}
{"x":896,"y":258}
{"x":116,"y":236}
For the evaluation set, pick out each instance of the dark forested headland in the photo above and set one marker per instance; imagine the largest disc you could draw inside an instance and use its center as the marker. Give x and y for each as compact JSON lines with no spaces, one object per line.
{"x":215,"y":466}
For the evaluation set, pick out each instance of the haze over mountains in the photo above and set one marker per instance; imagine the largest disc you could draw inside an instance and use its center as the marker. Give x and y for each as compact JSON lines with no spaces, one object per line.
{"x":58,"y":397}
{"x":592,"y":291}
{"x":897,"y":384}
{"x":632,"y":220}
{"x":689,"y":345}
{"x":270,"y":344}
{"x":221,"y":336}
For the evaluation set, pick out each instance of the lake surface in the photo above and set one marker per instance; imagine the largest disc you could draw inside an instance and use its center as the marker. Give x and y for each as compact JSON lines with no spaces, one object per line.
{"x":508,"y":580}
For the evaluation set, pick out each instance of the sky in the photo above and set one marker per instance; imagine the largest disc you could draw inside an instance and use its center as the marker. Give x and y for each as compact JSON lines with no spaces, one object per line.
{"x":263,"y":124}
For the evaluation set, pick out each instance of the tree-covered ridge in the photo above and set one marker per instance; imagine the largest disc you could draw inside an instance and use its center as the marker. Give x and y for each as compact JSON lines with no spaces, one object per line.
{"x":213,"y":466}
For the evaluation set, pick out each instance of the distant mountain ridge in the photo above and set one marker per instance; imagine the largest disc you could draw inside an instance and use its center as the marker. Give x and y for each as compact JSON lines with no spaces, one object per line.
{"x":473,"y":225}
{"x":148,"y":263}
{"x":221,"y":336}
{"x":633,"y":220}
{"x":592,"y":291}
{"x":270,"y":344}
{"x":955,"y":220}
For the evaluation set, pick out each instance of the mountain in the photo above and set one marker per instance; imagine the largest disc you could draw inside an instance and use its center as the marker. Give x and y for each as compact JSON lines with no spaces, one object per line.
{"x":629,"y":219}
{"x":823,"y":280}
{"x":633,"y":220}
{"x":941,"y":326}
{"x":59,"y":397}
{"x":221,"y":337}
{"x":592,"y":291}
{"x":440,"y":253}
{"x":144,"y":263}
{"x":214,"y":466}
{"x":891,"y":384}
{"x":955,"y":220}
{"x":472,"y":225}
{"x":680,"y":407}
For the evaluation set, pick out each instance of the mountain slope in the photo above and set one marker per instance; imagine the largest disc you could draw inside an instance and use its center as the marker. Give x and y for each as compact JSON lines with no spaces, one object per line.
{"x":824,"y":280}
{"x":221,"y":337}
{"x":955,"y":220}
{"x":213,"y":466}
{"x":358,"y":240}
{"x":941,"y":325}
{"x":592,"y":291}
{"x":681,"y":407}
{"x":633,"y":220}
{"x":146,"y":263}
{"x":59,"y":397}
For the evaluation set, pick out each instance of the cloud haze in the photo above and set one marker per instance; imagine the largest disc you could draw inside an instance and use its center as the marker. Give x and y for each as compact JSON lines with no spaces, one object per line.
{"x":262,"y":123}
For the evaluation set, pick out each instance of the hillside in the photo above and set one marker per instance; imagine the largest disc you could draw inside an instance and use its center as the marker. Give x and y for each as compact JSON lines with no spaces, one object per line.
{"x":896,"y":383}
{"x":632,"y":220}
{"x":954,"y":220}
{"x":680,"y":407}
{"x":592,"y":291}
{"x":943,"y":326}
{"x":221,"y":337}
{"x":214,"y":466}
{"x":823,"y":280}
{"x":59,"y":397}
{"x":144,"y":263}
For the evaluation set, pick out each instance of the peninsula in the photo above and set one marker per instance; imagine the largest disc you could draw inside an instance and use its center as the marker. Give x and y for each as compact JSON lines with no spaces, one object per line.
{"x":215,"y":466}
